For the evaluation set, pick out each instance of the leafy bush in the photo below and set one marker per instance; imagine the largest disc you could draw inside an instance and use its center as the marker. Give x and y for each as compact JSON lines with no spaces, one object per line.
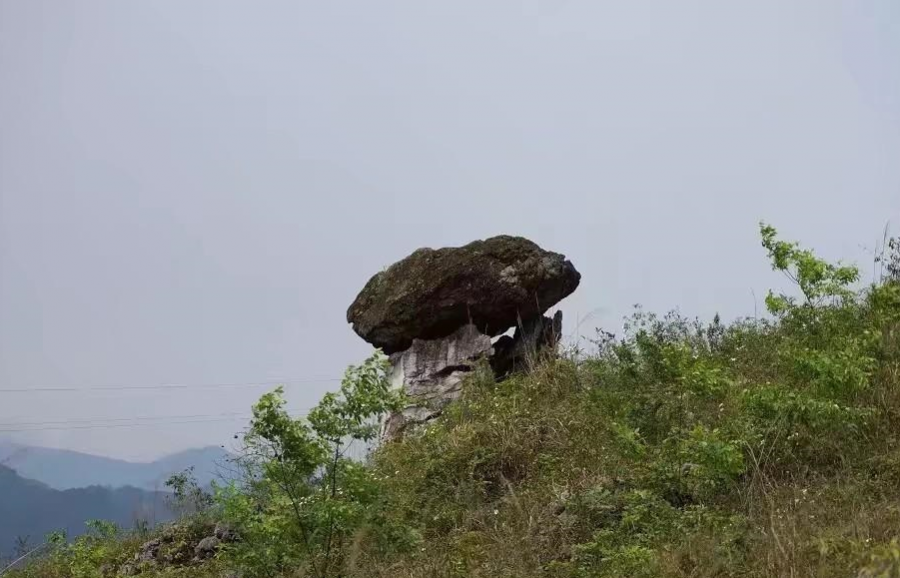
{"x":303,"y":502}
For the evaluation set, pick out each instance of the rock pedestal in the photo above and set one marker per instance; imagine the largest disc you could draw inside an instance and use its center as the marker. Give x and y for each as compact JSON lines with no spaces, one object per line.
{"x":431,"y":373}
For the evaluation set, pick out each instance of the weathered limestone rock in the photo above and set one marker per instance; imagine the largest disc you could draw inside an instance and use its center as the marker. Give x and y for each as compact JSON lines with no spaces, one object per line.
{"x":492,"y":284}
{"x":149,"y":551}
{"x":532,"y":337}
{"x":207,"y":548}
{"x":431,"y":372}
{"x":225,"y":532}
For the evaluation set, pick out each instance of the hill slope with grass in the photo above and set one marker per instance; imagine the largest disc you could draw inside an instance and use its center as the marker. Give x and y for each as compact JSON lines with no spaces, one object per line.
{"x":761,"y":448}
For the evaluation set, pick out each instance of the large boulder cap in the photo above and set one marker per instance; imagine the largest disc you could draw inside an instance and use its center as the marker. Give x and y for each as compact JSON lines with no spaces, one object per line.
{"x":493,"y":284}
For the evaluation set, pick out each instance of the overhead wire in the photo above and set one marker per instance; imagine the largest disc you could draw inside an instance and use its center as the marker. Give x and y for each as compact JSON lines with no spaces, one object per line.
{"x":169,"y":386}
{"x":101,"y":423}
{"x":144,"y":421}
{"x":137,"y":418}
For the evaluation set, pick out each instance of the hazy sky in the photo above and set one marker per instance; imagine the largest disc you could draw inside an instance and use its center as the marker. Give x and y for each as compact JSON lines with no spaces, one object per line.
{"x":192,"y":192}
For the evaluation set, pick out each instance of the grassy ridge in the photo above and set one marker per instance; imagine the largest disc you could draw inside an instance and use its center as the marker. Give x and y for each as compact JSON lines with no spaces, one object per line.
{"x":762,"y":448}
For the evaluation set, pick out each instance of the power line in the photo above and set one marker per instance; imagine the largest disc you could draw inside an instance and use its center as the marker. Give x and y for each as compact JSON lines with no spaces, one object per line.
{"x":169,"y":420}
{"x":22,"y":557}
{"x":110,"y":426}
{"x":97,"y":420}
{"x":168,"y":386}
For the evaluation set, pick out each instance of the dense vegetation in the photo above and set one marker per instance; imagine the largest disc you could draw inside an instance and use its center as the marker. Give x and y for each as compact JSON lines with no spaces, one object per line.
{"x":762,"y":448}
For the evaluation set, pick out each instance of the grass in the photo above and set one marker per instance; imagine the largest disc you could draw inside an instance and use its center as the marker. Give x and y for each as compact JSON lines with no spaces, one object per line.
{"x":672,"y":456}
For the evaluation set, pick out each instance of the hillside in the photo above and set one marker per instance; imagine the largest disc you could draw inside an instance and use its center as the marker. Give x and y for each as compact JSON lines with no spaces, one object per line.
{"x":30,"y":509}
{"x":65,"y":469}
{"x":758,"y":449}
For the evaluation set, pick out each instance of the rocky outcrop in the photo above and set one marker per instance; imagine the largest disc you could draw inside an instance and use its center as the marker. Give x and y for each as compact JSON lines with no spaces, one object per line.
{"x":149,"y":551}
{"x":225,"y":533}
{"x":179,"y":545}
{"x":206,"y":548}
{"x":491,"y":284}
{"x":436,"y":313}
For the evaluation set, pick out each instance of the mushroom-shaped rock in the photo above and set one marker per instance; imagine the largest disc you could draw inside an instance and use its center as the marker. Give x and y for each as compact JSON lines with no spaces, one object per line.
{"x":492,"y":284}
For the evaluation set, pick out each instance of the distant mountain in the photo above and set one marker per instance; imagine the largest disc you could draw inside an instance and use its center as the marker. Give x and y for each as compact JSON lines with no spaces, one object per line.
{"x":64,"y":469}
{"x":31,"y":509}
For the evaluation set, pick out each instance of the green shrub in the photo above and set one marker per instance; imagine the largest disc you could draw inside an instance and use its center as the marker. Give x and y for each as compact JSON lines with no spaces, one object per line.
{"x":304,"y":501}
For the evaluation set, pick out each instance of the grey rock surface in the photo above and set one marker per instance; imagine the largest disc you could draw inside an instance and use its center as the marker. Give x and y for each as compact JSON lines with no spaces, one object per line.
{"x":493,"y":284}
{"x":431,"y":373}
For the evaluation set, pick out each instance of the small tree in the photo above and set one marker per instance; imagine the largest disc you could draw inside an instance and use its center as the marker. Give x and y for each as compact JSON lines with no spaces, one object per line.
{"x":304,"y":499}
{"x":819,"y":281}
{"x":187,"y":496}
{"x":23,"y":545}
{"x":890,"y":260}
